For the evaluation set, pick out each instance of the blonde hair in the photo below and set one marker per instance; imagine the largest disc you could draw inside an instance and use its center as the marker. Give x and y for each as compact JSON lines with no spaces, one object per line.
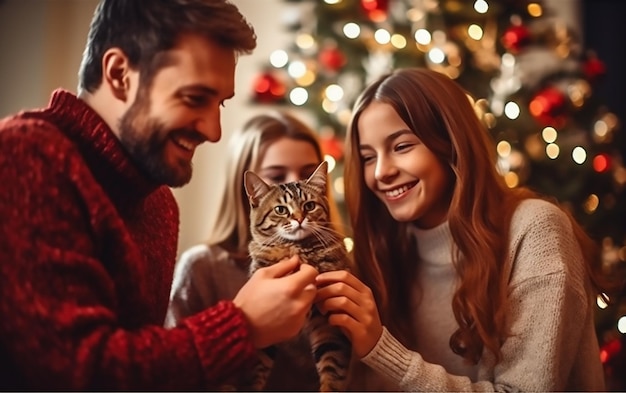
{"x":440,"y":114}
{"x":231,"y":224}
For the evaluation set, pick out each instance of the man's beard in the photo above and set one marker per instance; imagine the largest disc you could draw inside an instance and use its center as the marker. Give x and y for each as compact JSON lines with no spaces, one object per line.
{"x":145,"y":140}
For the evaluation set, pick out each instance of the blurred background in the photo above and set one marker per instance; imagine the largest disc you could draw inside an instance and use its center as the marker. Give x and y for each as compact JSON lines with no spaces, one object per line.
{"x":547,"y":77}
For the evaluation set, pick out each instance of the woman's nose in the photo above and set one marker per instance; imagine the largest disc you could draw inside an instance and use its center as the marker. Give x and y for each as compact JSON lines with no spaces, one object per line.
{"x":385,"y":169}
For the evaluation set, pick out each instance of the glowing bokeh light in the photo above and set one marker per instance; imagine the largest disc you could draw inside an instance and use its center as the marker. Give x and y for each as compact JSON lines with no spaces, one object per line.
{"x":298,"y":96}
{"x":279,"y":58}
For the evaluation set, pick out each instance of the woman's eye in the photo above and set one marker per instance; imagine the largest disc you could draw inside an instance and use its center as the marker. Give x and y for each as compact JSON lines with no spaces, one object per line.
{"x":309,"y":206}
{"x":403,"y":146}
{"x":277,"y":179}
{"x":281,"y":210}
{"x":367,"y":158}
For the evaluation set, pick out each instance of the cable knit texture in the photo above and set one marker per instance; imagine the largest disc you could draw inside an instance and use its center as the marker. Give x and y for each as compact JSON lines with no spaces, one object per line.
{"x":87,"y":252}
{"x":553,"y":346}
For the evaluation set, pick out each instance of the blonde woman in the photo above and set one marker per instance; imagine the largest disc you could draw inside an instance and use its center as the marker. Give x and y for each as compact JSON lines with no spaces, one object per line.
{"x":280,"y":148}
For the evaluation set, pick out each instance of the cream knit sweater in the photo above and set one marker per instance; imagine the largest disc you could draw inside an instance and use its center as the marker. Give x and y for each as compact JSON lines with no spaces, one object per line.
{"x":553,"y":346}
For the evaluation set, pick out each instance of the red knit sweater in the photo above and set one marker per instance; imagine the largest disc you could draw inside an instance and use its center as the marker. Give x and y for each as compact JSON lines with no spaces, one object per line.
{"x":87,"y":251}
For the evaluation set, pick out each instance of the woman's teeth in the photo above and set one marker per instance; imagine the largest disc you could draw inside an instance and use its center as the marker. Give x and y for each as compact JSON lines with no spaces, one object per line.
{"x":398,"y":191}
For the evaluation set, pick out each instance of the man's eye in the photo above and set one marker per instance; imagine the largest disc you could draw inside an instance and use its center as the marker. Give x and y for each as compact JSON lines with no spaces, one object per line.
{"x":195,"y":100}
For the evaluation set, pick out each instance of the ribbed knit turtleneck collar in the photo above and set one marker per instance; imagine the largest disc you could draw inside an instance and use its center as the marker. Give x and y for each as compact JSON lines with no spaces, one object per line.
{"x":102,"y":149}
{"x":434,"y":245}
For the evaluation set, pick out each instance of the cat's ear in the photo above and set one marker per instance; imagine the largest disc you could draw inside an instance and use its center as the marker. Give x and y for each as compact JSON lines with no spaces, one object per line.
{"x":255,"y":187}
{"x":318,"y":179}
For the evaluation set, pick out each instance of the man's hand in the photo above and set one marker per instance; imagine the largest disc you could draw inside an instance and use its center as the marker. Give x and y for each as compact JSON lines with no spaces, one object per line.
{"x":275,"y":302}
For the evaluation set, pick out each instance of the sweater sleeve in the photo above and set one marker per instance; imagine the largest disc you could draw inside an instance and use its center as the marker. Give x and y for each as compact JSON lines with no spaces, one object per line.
{"x":548,"y":314}
{"x":65,"y":324}
{"x":188,"y":286}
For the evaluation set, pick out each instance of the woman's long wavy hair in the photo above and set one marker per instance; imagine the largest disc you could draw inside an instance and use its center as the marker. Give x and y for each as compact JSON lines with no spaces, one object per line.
{"x":230,"y":227}
{"x":440,"y":113}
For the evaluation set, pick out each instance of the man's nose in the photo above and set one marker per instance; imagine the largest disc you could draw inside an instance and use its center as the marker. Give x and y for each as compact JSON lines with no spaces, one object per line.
{"x":210,"y":126}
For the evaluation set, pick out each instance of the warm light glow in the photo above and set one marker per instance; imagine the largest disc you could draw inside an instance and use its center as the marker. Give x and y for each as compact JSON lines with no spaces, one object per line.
{"x":481,"y":6}
{"x":511,"y":179}
{"x":338,"y":185}
{"x":600,"y":129}
{"x":475,"y":32}
{"x":423,"y":37}
{"x":508,"y":60}
{"x":549,"y":134}
{"x":349,"y":243}
{"x":382,"y":36}
{"x":334,"y":92}
{"x":329,"y":106}
{"x":332,"y":163}
{"x":398,"y":41}
{"x":307,"y":79}
{"x":351,"y":30}
{"x":553,"y":151}
{"x":305,"y":41}
{"x":621,"y":324}
{"x":415,"y":14}
{"x":344,"y":116}
{"x":279,"y":58}
{"x":601,"y":303}
{"x":579,"y":155}
{"x":511,"y":110}
{"x":534,"y":10}
{"x":298,"y":96}
{"x":436,"y":55}
{"x":591,"y":204}
{"x":296,"y":69}
{"x":503,"y":148}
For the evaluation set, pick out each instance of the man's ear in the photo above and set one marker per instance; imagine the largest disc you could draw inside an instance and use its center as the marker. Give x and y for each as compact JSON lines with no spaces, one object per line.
{"x":116,"y":73}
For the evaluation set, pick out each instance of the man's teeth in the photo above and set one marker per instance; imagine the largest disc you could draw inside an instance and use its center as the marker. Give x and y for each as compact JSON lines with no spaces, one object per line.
{"x":185,"y":144}
{"x":397,"y":191}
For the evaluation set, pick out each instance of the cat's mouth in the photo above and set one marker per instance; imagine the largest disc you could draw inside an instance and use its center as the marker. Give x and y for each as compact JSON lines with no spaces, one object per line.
{"x":296,"y":234}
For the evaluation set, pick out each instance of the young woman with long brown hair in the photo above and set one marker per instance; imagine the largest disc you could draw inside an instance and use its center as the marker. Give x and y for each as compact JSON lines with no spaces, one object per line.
{"x":464,"y":283}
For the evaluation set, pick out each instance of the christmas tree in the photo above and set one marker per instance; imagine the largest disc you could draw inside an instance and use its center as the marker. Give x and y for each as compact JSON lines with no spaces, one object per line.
{"x":533,"y":84}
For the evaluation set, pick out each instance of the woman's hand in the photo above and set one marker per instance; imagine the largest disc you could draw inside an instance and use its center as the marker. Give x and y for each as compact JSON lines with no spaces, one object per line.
{"x":349,"y":305}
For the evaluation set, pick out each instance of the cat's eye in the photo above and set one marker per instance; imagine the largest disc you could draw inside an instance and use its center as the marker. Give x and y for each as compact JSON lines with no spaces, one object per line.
{"x":308,"y":206}
{"x":281,"y":210}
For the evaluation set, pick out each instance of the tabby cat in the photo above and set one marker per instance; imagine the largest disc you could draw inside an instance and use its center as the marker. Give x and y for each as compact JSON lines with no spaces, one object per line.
{"x":293,"y":218}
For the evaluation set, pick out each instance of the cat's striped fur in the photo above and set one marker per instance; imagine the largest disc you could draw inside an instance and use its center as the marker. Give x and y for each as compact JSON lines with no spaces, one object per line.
{"x":293,"y":218}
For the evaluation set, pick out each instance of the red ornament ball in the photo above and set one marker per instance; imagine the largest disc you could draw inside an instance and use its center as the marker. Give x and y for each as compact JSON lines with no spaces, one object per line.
{"x":548,"y":107}
{"x":269,"y":89}
{"x":332,"y":146}
{"x":515,"y":38}
{"x":602,"y":162}
{"x":594,"y":68}
{"x":376,"y":10}
{"x":332,"y":58}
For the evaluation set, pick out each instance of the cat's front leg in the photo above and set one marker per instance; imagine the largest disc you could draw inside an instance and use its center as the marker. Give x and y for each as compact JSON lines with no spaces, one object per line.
{"x":331,"y":351}
{"x":261,"y":371}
